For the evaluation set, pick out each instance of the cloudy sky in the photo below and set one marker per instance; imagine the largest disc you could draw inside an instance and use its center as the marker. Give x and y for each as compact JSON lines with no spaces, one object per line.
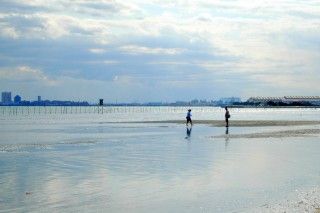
{"x":159,"y":50}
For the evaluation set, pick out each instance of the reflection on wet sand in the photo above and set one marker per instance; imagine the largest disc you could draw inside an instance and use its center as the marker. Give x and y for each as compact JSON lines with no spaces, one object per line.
{"x":227,"y":138}
{"x":188,"y":133}
{"x":148,"y":171}
{"x":89,"y":163}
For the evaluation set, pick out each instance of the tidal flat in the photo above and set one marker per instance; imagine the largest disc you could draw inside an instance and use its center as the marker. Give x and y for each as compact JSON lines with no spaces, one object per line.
{"x":94,"y":163}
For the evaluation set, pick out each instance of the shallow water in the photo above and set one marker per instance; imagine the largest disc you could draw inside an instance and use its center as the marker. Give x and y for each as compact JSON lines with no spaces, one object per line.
{"x":81,"y":162}
{"x":127,"y":114}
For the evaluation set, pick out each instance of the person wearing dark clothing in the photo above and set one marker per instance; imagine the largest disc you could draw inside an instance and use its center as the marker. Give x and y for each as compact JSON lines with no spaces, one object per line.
{"x":227,"y":116}
{"x":189,"y":117}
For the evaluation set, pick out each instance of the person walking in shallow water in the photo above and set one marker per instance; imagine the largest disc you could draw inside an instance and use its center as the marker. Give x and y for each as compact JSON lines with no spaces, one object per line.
{"x":189,"y":117}
{"x":227,"y":116}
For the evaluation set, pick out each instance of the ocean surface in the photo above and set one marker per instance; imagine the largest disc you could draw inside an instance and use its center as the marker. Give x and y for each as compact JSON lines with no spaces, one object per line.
{"x":90,"y":159}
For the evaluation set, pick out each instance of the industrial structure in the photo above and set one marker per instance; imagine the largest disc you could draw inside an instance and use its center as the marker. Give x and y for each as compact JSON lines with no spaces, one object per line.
{"x":286,"y":99}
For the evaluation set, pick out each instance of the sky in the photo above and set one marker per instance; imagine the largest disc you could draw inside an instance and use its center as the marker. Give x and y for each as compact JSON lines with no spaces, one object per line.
{"x":159,"y":50}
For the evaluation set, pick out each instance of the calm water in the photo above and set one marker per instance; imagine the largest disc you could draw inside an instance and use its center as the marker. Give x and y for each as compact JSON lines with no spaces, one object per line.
{"x":85,"y":162}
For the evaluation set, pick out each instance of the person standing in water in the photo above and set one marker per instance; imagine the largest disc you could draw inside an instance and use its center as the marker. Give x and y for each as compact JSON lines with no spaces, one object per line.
{"x":227,"y":116}
{"x":189,"y":117}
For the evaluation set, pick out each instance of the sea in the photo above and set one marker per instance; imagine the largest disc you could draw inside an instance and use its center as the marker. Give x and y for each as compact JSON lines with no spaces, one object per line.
{"x":130,"y":159}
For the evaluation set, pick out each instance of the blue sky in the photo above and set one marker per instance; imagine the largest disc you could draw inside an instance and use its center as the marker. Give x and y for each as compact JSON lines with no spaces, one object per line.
{"x":159,"y":50}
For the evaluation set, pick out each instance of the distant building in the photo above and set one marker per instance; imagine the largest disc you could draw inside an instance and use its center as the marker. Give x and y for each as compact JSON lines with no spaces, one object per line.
{"x":17,"y":99}
{"x":264,"y":99}
{"x":302,"y":98}
{"x":231,"y":100}
{"x":286,"y":99}
{"x":6,"y":98}
{"x":39,"y":98}
{"x":310,"y":99}
{"x":194,"y":102}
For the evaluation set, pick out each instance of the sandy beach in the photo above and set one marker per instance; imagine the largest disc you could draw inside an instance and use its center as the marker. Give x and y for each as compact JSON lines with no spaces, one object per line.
{"x":302,"y":201}
{"x":275,"y":134}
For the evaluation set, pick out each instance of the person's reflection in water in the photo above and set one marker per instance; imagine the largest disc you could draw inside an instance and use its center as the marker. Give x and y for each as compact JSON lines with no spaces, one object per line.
{"x":189,"y":129}
{"x":226,"y":138}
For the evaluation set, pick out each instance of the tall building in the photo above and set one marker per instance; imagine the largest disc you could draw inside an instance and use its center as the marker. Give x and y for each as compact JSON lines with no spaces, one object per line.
{"x":6,"y":98}
{"x":17,"y":99}
{"x":39,"y":98}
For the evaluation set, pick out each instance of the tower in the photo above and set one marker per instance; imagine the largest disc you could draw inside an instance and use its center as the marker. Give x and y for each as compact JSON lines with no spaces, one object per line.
{"x":6,"y":98}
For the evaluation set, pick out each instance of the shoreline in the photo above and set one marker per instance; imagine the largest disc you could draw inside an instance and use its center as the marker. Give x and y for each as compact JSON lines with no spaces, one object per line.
{"x":271,"y":107}
{"x":239,"y":123}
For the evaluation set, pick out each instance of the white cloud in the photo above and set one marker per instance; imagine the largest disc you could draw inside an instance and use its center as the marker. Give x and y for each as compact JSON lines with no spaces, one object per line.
{"x":125,"y":80}
{"x":111,"y":62}
{"x":300,"y":81}
{"x":9,"y":32}
{"x":218,"y":39}
{"x":25,"y":73}
{"x":97,"y":50}
{"x":134,"y":49}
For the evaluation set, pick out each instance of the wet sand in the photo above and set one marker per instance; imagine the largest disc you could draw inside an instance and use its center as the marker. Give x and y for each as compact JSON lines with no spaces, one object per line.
{"x":275,"y":134}
{"x":63,"y":155}
{"x":302,"y":132}
{"x":242,"y":123}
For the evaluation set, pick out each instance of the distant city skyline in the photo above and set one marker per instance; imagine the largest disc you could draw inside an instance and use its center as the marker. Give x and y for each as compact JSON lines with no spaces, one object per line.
{"x":141,"y":51}
{"x":285,"y":101}
{"x":6,"y":98}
